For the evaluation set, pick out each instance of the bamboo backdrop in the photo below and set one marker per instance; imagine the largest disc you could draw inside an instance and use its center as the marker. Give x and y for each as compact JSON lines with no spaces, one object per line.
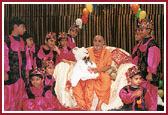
{"x":115,"y":22}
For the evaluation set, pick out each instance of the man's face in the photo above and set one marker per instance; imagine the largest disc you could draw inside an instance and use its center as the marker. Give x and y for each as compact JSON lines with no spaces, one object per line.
{"x":98,"y":42}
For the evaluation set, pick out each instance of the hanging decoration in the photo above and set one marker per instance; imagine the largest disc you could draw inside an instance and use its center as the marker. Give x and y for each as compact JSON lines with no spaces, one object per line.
{"x":86,"y":11}
{"x":140,"y":14}
{"x":79,"y":22}
{"x":89,"y":7}
{"x":84,"y":20}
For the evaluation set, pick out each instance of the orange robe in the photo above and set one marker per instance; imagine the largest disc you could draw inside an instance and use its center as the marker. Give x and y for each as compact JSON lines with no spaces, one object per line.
{"x":84,"y":90}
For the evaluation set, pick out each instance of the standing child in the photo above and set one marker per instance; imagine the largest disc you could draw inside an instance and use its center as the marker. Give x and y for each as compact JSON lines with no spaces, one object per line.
{"x":14,"y":65}
{"x":134,"y":58}
{"x":65,"y":51}
{"x":74,"y":29}
{"x":47,"y":50}
{"x":148,"y":53}
{"x":39,"y":97}
{"x":134,"y":96}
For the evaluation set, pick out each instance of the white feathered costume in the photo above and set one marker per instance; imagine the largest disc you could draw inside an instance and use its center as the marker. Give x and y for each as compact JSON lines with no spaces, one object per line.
{"x":82,"y":70}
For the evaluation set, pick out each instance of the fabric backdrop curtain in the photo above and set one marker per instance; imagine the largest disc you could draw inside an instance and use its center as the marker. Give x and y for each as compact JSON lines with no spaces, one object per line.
{"x":115,"y":22}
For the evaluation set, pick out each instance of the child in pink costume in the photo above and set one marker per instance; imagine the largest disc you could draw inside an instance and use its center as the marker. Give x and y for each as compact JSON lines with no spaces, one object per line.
{"x":48,"y":66}
{"x":134,"y":96}
{"x":30,"y":49}
{"x":39,"y":97}
{"x":65,"y":51}
{"x":14,"y":65}
{"x":138,"y":39}
{"x":73,"y":32}
{"x":47,"y":50}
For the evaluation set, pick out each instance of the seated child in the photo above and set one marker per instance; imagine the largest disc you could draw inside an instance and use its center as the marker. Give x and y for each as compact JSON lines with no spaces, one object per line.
{"x":49,"y":49}
{"x":48,"y":67}
{"x":30,"y":50}
{"x":134,"y":96}
{"x":65,"y":51}
{"x":39,"y":97}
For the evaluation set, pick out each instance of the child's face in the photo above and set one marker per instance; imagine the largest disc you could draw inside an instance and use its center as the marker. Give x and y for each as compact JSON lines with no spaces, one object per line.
{"x":20,"y":29}
{"x":73,"y":33}
{"x":36,"y":81}
{"x":30,"y":42}
{"x":63,"y":42}
{"x":50,"y":43}
{"x":144,"y":32}
{"x":137,"y":36}
{"x":50,"y":69}
{"x":136,"y":80}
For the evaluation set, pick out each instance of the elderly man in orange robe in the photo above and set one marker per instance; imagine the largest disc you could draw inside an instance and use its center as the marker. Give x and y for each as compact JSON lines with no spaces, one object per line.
{"x":84,"y":90}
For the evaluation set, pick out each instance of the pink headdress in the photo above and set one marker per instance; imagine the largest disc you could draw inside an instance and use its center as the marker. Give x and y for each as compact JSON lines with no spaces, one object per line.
{"x":62,"y":35}
{"x":74,"y":27}
{"x":37,"y":71}
{"x":51,"y":35}
{"x":131,"y":72}
{"x":146,"y":23}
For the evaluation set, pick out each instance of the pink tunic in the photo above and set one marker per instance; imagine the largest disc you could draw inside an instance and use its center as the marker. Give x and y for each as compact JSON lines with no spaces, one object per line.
{"x":71,"y":43}
{"x":135,"y":59}
{"x":13,"y":92}
{"x":49,"y":81}
{"x":65,"y":54}
{"x":153,"y":59}
{"x":29,"y":57}
{"x":126,"y":98}
{"x":48,"y":102}
{"x":41,"y":55}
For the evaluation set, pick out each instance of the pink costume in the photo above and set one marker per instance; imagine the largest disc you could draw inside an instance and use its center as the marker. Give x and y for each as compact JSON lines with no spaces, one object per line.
{"x":65,"y":54}
{"x":132,"y":103}
{"x":29,"y":57}
{"x":14,"y":65}
{"x":135,"y":59}
{"x":49,"y":80}
{"x":71,"y":42}
{"x":40,"y":100}
{"x":44,"y":53}
{"x":153,"y":58}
